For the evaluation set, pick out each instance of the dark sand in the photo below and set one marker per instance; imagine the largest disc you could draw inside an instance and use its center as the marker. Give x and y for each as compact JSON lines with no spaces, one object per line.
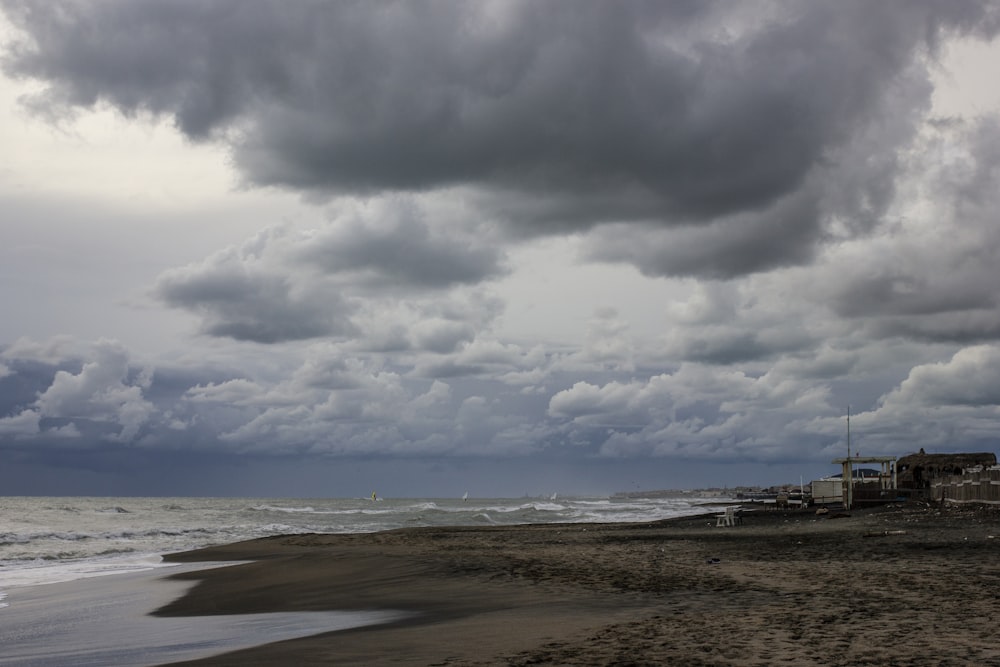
{"x":899,"y":585}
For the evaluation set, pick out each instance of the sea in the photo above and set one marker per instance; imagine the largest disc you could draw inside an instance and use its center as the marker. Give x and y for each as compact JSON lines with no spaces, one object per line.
{"x":51,"y":547}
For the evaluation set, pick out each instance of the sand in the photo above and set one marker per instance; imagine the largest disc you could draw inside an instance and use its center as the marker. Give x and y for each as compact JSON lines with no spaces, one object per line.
{"x":909,"y":584}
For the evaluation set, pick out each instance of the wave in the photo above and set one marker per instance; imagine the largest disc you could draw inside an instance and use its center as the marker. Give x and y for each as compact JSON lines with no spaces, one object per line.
{"x":545,"y":507}
{"x":60,"y":555}
{"x":65,"y":508}
{"x":15,"y":538}
{"x":114,"y":552}
{"x":274,"y":508}
{"x":8,"y":539}
{"x":34,"y":571}
{"x":425,"y":506}
{"x":77,"y":533}
{"x":282,"y":529}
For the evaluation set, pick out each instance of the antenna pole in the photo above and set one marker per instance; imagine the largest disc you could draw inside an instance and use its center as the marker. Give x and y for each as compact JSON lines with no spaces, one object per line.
{"x":848,"y":480}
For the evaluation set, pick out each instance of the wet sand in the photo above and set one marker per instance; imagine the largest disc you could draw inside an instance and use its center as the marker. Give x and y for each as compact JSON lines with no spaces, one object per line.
{"x":104,"y":622}
{"x":901,"y":585}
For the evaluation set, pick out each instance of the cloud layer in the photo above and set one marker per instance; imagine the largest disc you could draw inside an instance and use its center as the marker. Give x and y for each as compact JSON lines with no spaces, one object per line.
{"x":717,"y":124}
{"x":807,"y":230}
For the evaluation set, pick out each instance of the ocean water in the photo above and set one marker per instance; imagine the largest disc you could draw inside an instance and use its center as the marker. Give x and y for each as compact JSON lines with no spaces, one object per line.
{"x":55,"y":612}
{"x":47,"y":540}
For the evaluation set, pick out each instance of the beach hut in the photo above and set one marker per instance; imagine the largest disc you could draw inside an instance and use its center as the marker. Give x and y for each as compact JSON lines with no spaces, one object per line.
{"x":877,"y":488}
{"x":830,"y":489}
{"x":827,"y":490}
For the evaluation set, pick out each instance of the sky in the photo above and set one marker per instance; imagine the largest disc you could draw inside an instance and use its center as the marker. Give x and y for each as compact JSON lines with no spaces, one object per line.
{"x":507,"y":248}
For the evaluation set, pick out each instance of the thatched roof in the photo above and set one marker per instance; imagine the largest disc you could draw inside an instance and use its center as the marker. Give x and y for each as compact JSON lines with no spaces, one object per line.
{"x":965,"y":460}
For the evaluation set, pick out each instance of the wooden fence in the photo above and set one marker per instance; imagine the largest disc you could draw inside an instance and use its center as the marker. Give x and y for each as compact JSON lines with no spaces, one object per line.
{"x":974,"y":485}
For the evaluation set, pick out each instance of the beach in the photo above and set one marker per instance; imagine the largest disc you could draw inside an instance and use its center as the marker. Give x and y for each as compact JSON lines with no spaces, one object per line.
{"x":909,"y":584}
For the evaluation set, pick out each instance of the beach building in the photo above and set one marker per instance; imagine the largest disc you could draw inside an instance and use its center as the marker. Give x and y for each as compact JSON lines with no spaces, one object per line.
{"x":827,"y":490}
{"x":918,"y":472}
{"x":873,"y":489}
{"x":830,"y":490}
{"x":960,"y":477}
{"x":951,"y":478}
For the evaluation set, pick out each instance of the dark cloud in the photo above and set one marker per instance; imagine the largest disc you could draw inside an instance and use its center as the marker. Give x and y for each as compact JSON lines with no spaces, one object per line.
{"x":825,"y":240}
{"x":729,"y":349}
{"x":442,"y":335}
{"x":726,"y":248}
{"x":750,"y":324}
{"x":350,"y":278}
{"x":966,"y":327}
{"x":908,"y":293}
{"x":933,"y":276}
{"x":446,"y":368}
{"x":556,"y":116}
{"x":402,"y":252}
{"x":235,"y":300}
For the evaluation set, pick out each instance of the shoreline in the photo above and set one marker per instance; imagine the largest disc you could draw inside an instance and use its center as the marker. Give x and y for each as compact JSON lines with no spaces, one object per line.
{"x":910,"y":584}
{"x":107,"y":622}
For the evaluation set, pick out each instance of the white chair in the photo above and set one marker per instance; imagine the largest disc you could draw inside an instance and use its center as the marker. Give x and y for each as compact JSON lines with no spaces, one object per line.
{"x":723,"y":519}
{"x":729,"y":518}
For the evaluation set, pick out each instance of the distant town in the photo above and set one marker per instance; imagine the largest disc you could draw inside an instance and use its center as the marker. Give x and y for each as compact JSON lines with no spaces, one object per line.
{"x":953,"y":477}
{"x":739,"y":492}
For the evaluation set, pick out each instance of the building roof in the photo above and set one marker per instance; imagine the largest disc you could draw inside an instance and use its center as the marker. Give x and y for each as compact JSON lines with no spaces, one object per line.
{"x":865,"y":459}
{"x":962,"y":460}
{"x":862,"y":473}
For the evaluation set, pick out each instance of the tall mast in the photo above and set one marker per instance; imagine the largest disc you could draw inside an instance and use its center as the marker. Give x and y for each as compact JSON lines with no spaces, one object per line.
{"x":848,"y":467}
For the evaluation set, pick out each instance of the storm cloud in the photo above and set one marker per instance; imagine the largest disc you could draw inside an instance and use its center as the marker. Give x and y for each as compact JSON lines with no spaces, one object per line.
{"x":726,"y":124}
{"x":643,"y":237}
{"x":329,"y":281}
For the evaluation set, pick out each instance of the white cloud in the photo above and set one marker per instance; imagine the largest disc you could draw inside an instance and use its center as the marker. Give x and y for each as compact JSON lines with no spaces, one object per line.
{"x":52,"y":351}
{"x":67,"y":432}
{"x":102,"y":392}
{"x":971,"y":378}
{"x":24,"y":423}
{"x":231,"y":392}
